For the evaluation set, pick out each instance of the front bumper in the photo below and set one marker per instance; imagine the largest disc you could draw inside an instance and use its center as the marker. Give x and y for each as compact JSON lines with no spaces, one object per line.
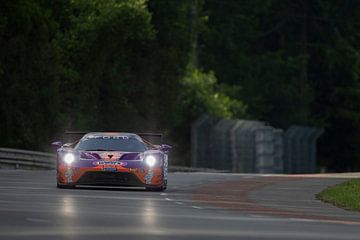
{"x":110,"y":179}
{"x":117,"y":176}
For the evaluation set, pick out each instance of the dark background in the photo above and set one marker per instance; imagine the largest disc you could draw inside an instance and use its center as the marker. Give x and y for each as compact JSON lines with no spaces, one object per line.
{"x":133,"y":65}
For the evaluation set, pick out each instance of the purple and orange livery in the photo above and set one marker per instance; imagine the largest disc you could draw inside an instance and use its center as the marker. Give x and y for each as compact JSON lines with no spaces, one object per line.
{"x":112,"y":159}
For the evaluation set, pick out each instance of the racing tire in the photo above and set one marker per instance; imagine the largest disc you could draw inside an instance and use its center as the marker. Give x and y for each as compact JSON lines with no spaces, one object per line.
{"x":65,"y":186}
{"x":157,"y":189}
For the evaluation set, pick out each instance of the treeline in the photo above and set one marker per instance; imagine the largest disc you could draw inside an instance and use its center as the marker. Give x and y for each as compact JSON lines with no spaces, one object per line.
{"x":297,"y":62}
{"x":136,"y":65}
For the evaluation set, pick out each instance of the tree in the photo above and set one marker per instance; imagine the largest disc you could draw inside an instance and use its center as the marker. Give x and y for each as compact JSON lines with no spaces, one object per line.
{"x":28,"y":75}
{"x":296,"y":62}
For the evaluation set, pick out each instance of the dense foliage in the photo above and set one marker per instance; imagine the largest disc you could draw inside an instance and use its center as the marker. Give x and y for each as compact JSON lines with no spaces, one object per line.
{"x":137,"y":65}
{"x":297,"y":63}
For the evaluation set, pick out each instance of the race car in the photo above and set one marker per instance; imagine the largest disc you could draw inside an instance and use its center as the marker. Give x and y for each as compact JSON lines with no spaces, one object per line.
{"x":112,"y":159}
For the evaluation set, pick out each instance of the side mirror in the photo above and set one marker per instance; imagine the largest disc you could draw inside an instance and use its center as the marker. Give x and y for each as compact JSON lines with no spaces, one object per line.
{"x":165,"y":148}
{"x":57,"y":144}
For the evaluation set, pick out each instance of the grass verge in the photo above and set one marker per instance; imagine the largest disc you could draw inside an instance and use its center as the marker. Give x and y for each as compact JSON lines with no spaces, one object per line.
{"x":345,"y":195}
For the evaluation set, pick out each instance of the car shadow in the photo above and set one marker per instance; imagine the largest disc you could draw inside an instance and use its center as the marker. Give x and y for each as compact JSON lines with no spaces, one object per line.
{"x":111,"y":188}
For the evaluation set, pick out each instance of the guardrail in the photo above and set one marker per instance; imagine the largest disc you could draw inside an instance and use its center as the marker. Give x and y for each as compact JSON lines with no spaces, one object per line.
{"x":24,"y":159}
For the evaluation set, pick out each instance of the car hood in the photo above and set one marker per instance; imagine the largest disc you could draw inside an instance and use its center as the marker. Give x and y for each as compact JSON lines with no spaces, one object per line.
{"x":110,"y":155}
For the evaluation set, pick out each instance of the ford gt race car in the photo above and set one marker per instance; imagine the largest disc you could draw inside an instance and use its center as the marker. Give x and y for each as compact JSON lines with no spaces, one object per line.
{"x":112,"y":159}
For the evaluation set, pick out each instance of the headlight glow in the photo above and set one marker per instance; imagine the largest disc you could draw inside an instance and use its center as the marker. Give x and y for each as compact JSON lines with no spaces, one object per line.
{"x":150,"y":160}
{"x":69,"y":158}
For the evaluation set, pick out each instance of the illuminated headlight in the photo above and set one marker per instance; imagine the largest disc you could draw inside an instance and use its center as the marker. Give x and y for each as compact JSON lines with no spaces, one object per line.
{"x":69,"y":158}
{"x":150,"y":161}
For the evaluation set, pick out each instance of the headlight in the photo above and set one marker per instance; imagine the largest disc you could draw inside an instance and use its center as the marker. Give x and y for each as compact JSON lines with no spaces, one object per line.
{"x":69,"y":158}
{"x":150,"y":161}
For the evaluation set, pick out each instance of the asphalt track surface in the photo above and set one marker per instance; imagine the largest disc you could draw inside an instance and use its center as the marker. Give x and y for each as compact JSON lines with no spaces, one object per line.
{"x":31,"y":207}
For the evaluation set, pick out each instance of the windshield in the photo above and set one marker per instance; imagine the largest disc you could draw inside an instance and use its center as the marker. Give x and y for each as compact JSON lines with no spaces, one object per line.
{"x":111,"y":143}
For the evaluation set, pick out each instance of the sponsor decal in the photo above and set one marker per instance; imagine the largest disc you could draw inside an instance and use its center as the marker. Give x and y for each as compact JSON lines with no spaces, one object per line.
{"x":165,"y":166}
{"x":110,"y":163}
{"x":69,"y":174}
{"x":105,"y":137}
{"x":149,"y":176}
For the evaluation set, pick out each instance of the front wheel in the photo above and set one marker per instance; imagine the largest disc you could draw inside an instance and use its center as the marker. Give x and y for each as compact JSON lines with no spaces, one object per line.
{"x":65,"y":186}
{"x":158,"y":189}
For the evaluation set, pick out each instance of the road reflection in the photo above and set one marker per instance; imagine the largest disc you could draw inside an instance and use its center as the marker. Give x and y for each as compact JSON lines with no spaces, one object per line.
{"x":150,"y":217}
{"x":68,"y":208}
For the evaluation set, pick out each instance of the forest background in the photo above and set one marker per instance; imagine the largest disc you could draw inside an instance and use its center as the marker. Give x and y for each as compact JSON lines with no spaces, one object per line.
{"x":157,"y":65}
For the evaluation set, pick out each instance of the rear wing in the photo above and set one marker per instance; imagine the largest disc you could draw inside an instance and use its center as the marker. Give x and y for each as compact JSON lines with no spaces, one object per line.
{"x":152,"y":138}
{"x":76,"y":132}
{"x":73,"y":137}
